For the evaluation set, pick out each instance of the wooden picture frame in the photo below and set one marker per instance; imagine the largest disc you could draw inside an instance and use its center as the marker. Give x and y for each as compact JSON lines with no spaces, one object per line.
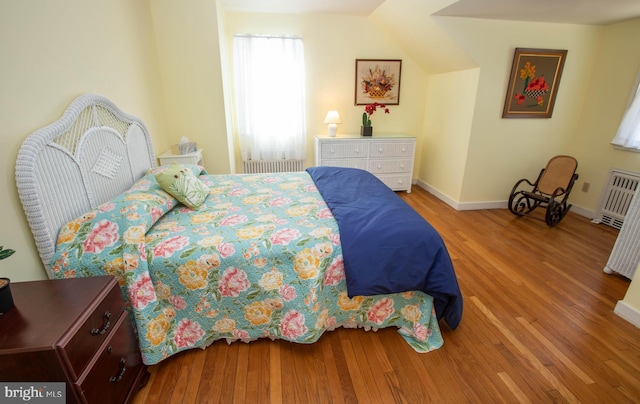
{"x":378,"y":80}
{"x":533,"y":83}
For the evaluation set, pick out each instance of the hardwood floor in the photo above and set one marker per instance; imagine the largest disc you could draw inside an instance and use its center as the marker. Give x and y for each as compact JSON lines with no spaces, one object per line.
{"x":538,"y":326}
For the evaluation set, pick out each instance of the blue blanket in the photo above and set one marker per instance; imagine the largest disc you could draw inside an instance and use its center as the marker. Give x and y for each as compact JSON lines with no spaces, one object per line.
{"x":387,"y":246}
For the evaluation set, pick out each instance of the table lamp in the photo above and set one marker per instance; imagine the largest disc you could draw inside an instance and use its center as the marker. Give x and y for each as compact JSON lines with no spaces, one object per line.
{"x":333,"y":119}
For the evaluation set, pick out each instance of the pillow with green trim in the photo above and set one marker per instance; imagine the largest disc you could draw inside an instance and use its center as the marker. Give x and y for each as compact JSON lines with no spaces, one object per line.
{"x":183,"y":185}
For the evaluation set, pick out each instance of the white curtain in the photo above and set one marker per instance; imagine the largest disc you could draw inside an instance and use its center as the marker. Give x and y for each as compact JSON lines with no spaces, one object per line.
{"x":270,"y":97}
{"x":628,"y":134}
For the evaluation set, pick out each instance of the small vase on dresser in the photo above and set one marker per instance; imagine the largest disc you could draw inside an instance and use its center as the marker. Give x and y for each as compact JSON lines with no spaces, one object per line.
{"x":366,"y":131}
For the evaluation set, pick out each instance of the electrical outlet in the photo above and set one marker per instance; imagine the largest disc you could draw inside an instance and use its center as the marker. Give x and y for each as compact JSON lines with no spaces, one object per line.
{"x":585,"y":187}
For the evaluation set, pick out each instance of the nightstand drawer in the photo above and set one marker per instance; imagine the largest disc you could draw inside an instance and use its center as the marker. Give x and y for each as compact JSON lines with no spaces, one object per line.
{"x":344,"y":150}
{"x":168,"y":157}
{"x":387,"y":149}
{"x":93,"y":332}
{"x":113,"y":372}
{"x":381,"y":166}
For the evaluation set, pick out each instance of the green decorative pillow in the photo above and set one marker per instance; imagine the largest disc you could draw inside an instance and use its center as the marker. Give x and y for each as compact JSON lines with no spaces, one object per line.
{"x":183,"y":185}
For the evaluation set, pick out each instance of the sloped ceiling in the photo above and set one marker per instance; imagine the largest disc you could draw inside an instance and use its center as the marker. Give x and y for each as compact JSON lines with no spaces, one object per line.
{"x":590,"y":12}
{"x":596,"y":12}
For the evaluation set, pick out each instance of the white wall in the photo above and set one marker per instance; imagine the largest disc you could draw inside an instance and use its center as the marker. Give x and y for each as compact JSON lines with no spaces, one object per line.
{"x":53,"y":51}
{"x":616,"y":67}
{"x":629,"y":307}
{"x":190,"y":64}
{"x":448,"y":121}
{"x":331,"y":45}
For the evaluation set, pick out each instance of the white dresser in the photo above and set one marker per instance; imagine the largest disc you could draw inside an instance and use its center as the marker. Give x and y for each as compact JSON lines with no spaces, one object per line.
{"x":388,"y":157}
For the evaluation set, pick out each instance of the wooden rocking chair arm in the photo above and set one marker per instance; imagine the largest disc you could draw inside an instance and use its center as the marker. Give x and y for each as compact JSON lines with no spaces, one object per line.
{"x":521,"y":181}
{"x":558,"y":192}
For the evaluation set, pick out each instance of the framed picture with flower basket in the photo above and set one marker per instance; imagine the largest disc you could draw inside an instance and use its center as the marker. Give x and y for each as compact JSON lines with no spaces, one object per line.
{"x":378,"y":80}
{"x":533,"y":83}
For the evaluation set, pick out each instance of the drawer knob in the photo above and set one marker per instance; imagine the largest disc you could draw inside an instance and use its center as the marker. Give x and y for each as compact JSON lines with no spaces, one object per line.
{"x":105,"y":327}
{"x":379,"y":166}
{"x":120,"y":375}
{"x":380,"y":150}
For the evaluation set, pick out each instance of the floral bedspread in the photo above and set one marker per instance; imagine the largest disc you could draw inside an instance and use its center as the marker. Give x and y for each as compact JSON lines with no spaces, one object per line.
{"x":261,"y":258}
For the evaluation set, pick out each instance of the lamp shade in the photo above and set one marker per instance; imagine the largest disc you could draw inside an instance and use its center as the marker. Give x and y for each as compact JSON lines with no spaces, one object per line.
{"x":332,"y":117}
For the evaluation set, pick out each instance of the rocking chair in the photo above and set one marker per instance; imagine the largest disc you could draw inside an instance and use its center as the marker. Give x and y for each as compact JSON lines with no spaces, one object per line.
{"x":550,"y":190}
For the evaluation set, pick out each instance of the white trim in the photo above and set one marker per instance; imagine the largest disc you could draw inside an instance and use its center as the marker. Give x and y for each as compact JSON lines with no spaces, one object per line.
{"x":628,"y":313}
{"x":444,"y":198}
{"x":589,"y":214}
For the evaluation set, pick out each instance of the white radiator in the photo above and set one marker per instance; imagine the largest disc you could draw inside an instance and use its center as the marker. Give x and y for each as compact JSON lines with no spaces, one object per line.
{"x":272,"y":166}
{"x":616,"y":197}
{"x":625,"y":255}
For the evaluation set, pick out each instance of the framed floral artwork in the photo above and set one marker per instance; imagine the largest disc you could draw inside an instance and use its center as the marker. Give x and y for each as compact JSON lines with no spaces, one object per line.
{"x":378,"y":80}
{"x":533,"y":83}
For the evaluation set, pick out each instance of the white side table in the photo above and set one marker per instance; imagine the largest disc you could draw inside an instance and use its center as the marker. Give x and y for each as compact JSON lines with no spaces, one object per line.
{"x":189,"y":158}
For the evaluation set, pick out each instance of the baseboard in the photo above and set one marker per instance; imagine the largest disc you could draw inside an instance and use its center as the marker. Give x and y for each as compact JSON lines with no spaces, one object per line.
{"x":628,"y":313}
{"x":486,"y":205}
{"x":579,"y":210}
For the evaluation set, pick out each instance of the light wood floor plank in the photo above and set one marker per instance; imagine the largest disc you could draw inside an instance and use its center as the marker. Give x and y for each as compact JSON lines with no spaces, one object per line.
{"x":538,"y":326}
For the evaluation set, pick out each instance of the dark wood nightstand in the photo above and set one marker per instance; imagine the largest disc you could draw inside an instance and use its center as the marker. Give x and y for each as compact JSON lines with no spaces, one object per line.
{"x":75,"y":331}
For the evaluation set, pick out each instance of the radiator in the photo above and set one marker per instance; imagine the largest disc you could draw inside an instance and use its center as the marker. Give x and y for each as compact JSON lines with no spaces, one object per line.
{"x":625,"y":255}
{"x":272,"y":166}
{"x":616,"y":197}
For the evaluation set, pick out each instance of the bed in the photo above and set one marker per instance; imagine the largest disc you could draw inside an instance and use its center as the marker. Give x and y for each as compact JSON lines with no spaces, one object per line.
{"x":281,"y":256}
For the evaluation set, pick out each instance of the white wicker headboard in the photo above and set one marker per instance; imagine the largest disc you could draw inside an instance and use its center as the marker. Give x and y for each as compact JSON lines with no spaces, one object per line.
{"x":91,"y":154}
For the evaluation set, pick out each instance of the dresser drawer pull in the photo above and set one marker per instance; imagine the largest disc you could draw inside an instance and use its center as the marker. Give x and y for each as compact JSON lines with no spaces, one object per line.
{"x":105,"y":327}
{"x":123,"y":368}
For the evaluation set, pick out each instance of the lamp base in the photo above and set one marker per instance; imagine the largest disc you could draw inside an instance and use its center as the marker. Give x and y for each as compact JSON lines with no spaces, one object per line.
{"x":333,"y":129}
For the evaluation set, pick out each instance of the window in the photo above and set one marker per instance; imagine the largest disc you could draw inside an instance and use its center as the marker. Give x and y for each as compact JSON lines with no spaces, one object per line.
{"x":628,"y":134}
{"x":270,"y":97}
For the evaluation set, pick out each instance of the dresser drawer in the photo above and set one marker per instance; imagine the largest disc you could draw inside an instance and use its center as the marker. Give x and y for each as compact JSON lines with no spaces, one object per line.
{"x":397,"y":182}
{"x":340,"y":150}
{"x":94,"y":330}
{"x":388,"y":149}
{"x":381,"y":166}
{"x":115,"y":368}
{"x":357,"y":163}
